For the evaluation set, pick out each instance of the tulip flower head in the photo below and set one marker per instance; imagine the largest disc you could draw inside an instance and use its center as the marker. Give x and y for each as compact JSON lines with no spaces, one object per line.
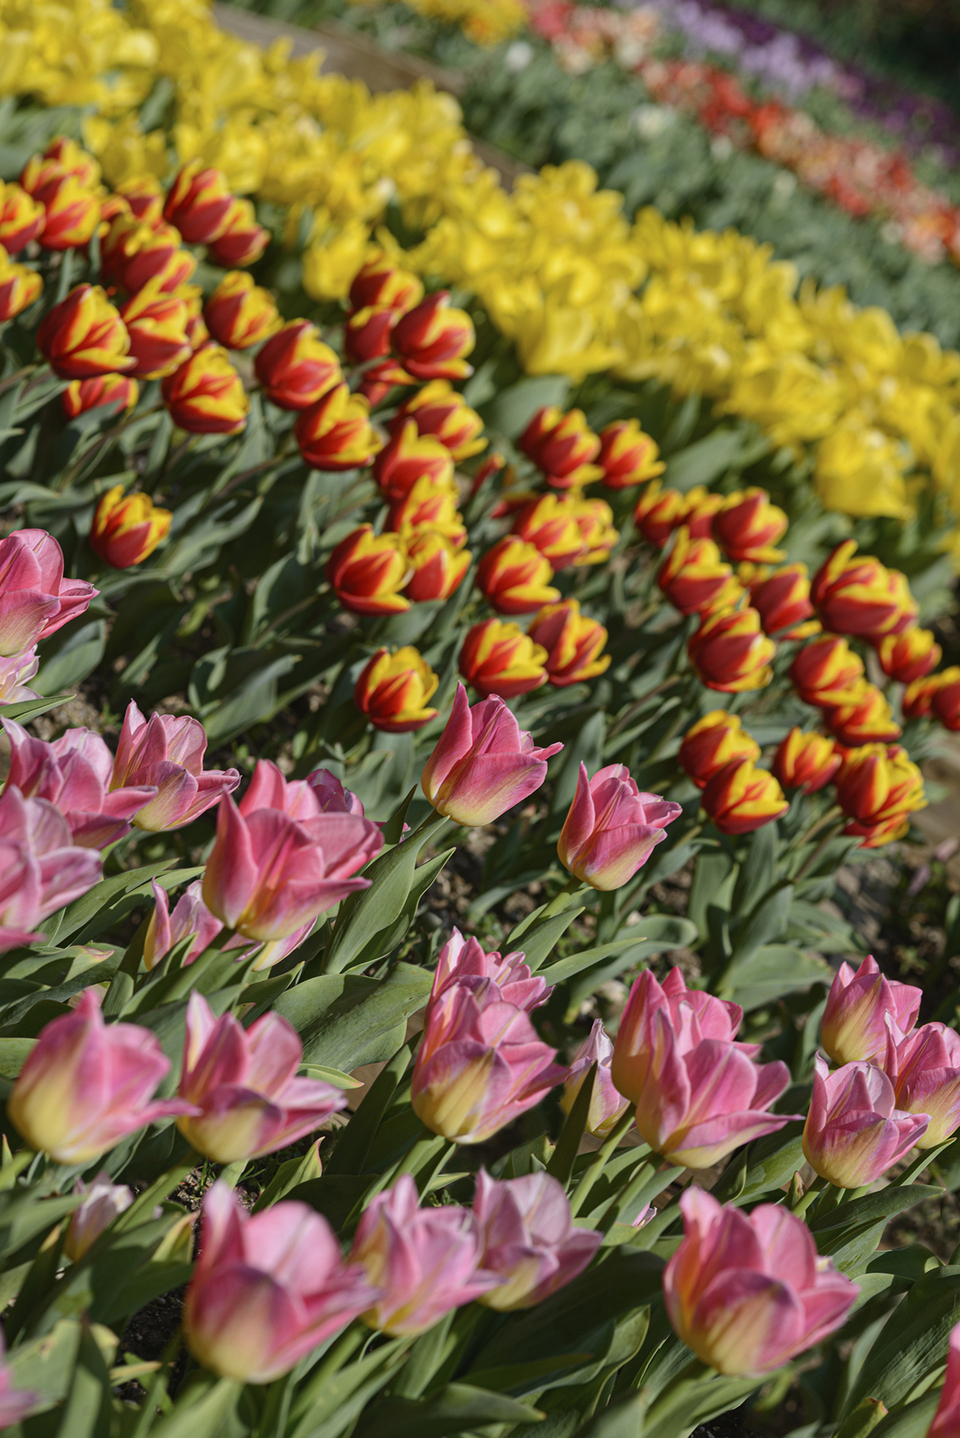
{"x":529,"y":1239}
{"x":498,"y":658}
{"x":611,"y":828}
{"x":439,"y":566}
{"x":563,"y":447}
{"x":748,"y":1292}
{"x":41,"y":869}
{"x":514,"y":577}
{"x":917,"y":699}
{"x":878,"y":788}
{"x":911,"y":654}
{"x":393,"y":690}
{"x":438,"y":409}
{"x":127,"y":528}
{"x":19,"y":288}
{"x":782,"y":599}
{"x":21,"y":217}
{"x":167,"y":751}
{"x":854,"y":1021}
{"x":35,"y":599}
{"x":606,"y":1103}
{"x":731,"y":653}
{"x":945,"y":700}
{"x":116,"y":390}
{"x":409,"y":456}
{"x":198,"y":203}
{"x":946,"y":1420}
{"x":335,"y":432}
{"x":860,"y":596}
{"x":432,"y":340}
{"x":294,"y":367}
{"x":925,"y":1069}
{"x":627,"y":455}
{"x":380,"y":281}
{"x":740,"y":797}
{"x":825,"y":671}
{"x":748,"y":528}
{"x":206,"y":395}
{"x":84,"y":336}
{"x":14,"y":673}
{"x":15,"y":1403}
{"x":156,"y":324}
{"x":658,"y":512}
{"x":483,"y":763}
{"x":242,"y":241}
{"x":693,"y":574}
{"x":572,"y":641}
{"x":428,"y":506}
{"x":103,"y":1202}
{"x":165,"y":929}
{"x":369,"y":570}
{"x":71,"y":212}
{"x":239,"y":314}
{"x":715,"y":740}
{"x":465,"y":962}
{"x":266,"y":1289}
{"x":549,"y":523}
{"x":864,"y":717}
{"x":701,"y":508}
{"x":854,"y":1131}
{"x":805,"y":761}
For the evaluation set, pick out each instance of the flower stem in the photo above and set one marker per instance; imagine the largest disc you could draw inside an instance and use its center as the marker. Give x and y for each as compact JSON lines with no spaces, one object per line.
{"x":559,"y":902}
{"x":814,"y":1191}
{"x":592,"y":1173}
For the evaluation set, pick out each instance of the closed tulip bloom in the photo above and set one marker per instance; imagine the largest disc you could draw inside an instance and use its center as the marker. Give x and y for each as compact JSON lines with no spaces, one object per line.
{"x":483,"y":763}
{"x":611,"y":828}
{"x":394,"y":690}
{"x":805,"y":761}
{"x":529,"y":1239}
{"x":83,"y":336}
{"x":748,"y":527}
{"x":198,"y":203}
{"x":825,"y":670}
{"x":167,"y":751}
{"x":71,"y":213}
{"x":440,"y":410}
{"x":408,"y":457}
{"x":563,"y":446}
{"x":693,"y":574}
{"x":606,"y":1103}
{"x":627,"y":455}
{"x":854,"y":1131}
{"x":239,"y":313}
{"x":266,"y":1289}
{"x":747,"y":1291}
{"x":21,"y":217}
{"x":335,"y":433}
{"x":366,"y":336}
{"x":925,"y":1069}
{"x":432,"y":340}
{"x":858,"y":595}
{"x":438,"y":566}
{"x":782,"y":599}
{"x":35,"y":599}
{"x":369,"y":570}
{"x":498,"y":658}
{"x":572,"y":641}
{"x":157,"y":325}
{"x":190,"y":916}
{"x":715,"y":740}
{"x":155,"y":254}
{"x":422,"y":1262}
{"x":127,"y":528}
{"x":206,"y":395}
{"x":464,"y":961}
{"x":41,"y":869}
{"x":117,"y":390}
{"x":514,"y":577}
{"x":731,"y":653}
{"x":917,"y":699}
{"x":242,"y":241}
{"x":103,"y":1202}
{"x":380,"y":281}
{"x":864,"y":717}
{"x":63,"y":156}
{"x":658,"y":512}
{"x":946,"y":1420}
{"x":549,"y":522}
{"x":19,"y":288}
{"x":911,"y":654}
{"x":698,"y":1094}
{"x":945,"y":700}
{"x":740,"y":798}
{"x":87,"y":1084}
{"x":594,"y":520}
{"x":878,"y":788}
{"x":428,"y":506}
{"x":295,"y":367}
{"x":144,"y":196}
{"x":854,"y":1021}
{"x":702,"y":507}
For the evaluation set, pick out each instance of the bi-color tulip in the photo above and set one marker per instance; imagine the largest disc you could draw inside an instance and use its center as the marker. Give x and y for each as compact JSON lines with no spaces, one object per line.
{"x":156,"y":324}
{"x":694,"y":575}
{"x":878,"y":788}
{"x":825,"y":671}
{"x":206,"y":395}
{"x":35,"y":598}
{"x":563,"y":446}
{"x":127,"y":528}
{"x":118,"y":390}
{"x":529,"y":1239}
{"x":748,"y":528}
{"x":514,"y":577}
{"x":498,"y":658}
{"x":739,"y":797}
{"x":83,"y":336}
{"x":19,"y":287}
{"x":658,"y":512}
{"x":167,"y":751}
{"x":925,"y":1069}
{"x":805,"y":761}
{"x":627,"y":455}
{"x":438,"y":566}
{"x":334,"y":433}
{"x":854,"y":1021}
{"x":21,"y":217}
{"x":432,"y":340}
{"x":607,"y":1104}
{"x":864,"y":716}
{"x":782,"y":599}
{"x":198,"y":203}
{"x":368,"y":571}
{"x":854,"y":1131}
{"x":41,"y":869}
{"x":409,"y":456}
{"x":714,"y":741}
{"x":295,"y":367}
{"x":239,"y":313}
{"x":440,"y":410}
{"x":103,"y":1202}
{"x":394,"y":690}
{"x":611,"y":828}
{"x":856,"y":594}
{"x":573,"y":643}
{"x":242,"y":240}
{"x":909,"y":655}
{"x":731,"y":653}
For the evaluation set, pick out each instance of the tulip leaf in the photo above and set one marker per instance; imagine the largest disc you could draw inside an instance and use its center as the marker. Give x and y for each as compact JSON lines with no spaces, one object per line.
{"x":539,"y":939}
{"x":455,"y":1409}
{"x":88,"y":916}
{"x":45,"y":1365}
{"x":29,"y":709}
{"x":912,"y":1343}
{"x":655,"y":934}
{"x":698,"y":1403}
{"x":884,"y":1204}
{"x":769,"y":973}
{"x":87,"y":1412}
{"x":913,"y":1421}
{"x":353,"y":1143}
{"x":345,"y":1020}
{"x":764,"y":1167}
{"x":386,"y":940}
{"x":202,"y":1410}
{"x":70,"y":655}
{"x":514,"y":407}
{"x":764,"y":925}
{"x":706,"y":459}
{"x":23,"y":1216}
{"x":562,"y":1160}
{"x":288,"y":1176}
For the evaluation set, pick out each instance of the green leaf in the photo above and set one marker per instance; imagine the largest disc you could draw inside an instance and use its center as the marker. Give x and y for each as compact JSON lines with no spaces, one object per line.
{"x":514,"y":408}
{"x":910,"y":1422}
{"x":70,"y":655}
{"x":201,"y":1411}
{"x":29,"y":709}
{"x":539,"y":938}
{"x":45,"y":1365}
{"x":455,"y":1409}
{"x":386,"y":940}
{"x":771,"y":972}
{"x":863,"y":1420}
{"x":704,"y":461}
{"x":87,"y":1412}
{"x":345,"y":1020}
{"x":95,"y":911}
{"x":325,"y":1074}
{"x":764,"y":925}
{"x":295,"y":1171}
{"x":565,"y":1153}
{"x":912,"y":1343}
{"x":13,"y":1055}
{"x":655,"y":934}
{"x":766,"y":1166}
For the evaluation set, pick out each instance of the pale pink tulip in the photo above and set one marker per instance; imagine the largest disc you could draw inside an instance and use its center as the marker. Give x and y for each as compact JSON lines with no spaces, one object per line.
{"x":104,"y":1200}
{"x":74,"y":774}
{"x":332,"y":797}
{"x":925,"y":1070}
{"x":464,"y":961}
{"x":266,"y":1290}
{"x":15,"y":1403}
{"x":14,"y":674}
{"x":946,"y":1420}
{"x":698,"y":1094}
{"x":41,"y":869}
{"x":191,"y":916}
{"x":166,"y":752}
{"x":424,"y":1261}
{"x":529,"y":1239}
{"x":483,"y":764}
{"x":611,"y":828}
{"x":854,"y":1131}
{"x":748,"y":1292}
{"x":854,"y":1021}
{"x":242,"y":1087}
{"x":606,"y":1103}
{"x":35,"y":599}
{"x":87,"y":1084}
{"x":269,"y":874}
{"x":320,"y":793}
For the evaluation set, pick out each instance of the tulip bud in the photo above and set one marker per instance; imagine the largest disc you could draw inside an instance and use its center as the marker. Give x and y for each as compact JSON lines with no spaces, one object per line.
{"x":748,"y":527}
{"x":731,"y":653}
{"x":563,"y":446}
{"x":206,"y":395}
{"x":658,"y":512}
{"x":21,"y":218}
{"x":945,"y":701}
{"x":439,"y":409}
{"x":439,"y":567}
{"x":854,"y":1025}
{"x":335,"y":433}
{"x":549,"y":522}
{"x":627,"y":455}
{"x":366,"y":337}
{"x":157,"y":326}
{"x":167,"y":751}
{"x":572,"y":641}
{"x":190,"y":916}
{"x":242,"y":241}
{"x":611,"y":828}
{"x":498,"y":658}
{"x":19,"y":288}
{"x":127,"y":528}
{"x":782,"y":599}
{"x":878,"y":788}
{"x":71,"y":213}
{"x":946,"y":1420}
{"x":369,"y":570}
{"x":104,"y":1201}
{"x":144,"y":197}
{"x":529,"y":1239}
{"x":408,"y":457}
{"x":431,"y":340}
{"x":83,"y":336}
{"x":854,"y":1132}
{"x":925,"y":1069}
{"x":806,"y":761}
{"x":513,"y":577}
{"x":917,"y":699}
{"x":606,"y":1104}
{"x":483,"y":763}
{"x":428,"y":506}
{"x":380,"y":282}
{"x":825,"y":670}
{"x":239,"y":314}
{"x":911,"y":654}
{"x":295,"y":367}
{"x":393,"y":690}
{"x":116,"y":390}
{"x":740,"y":798}
{"x":860,"y":596}
{"x":693,"y":574}
{"x":35,"y":599}
{"x":715,"y":740}
{"x":199,"y":203}
{"x":864,"y":717}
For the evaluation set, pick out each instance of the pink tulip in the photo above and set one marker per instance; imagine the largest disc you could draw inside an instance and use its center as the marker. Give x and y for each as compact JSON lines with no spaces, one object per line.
{"x":925,"y":1070}
{"x":331,"y":795}
{"x":611,"y":829}
{"x":241,"y":1085}
{"x":463,"y":961}
{"x":854,"y":1132}
{"x":103,"y":1202}
{"x":41,"y":869}
{"x":483,"y":763}
{"x":73,"y":773}
{"x":424,"y":1261}
{"x":946,"y":1420}
{"x":14,"y":673}
{"x":747,"y":1292}
{"x":266,"y":1290}
{"x":320,"y":793}
{"x":269,"y":874}
{"x":698,"y":1094}
{"x":529,"y":1239}
{"x":87,"y":1084}
{"x":854,"y":1020}
{"x":191,"y":916}
{"x":15,"y":1403}
{"x":606,"y":1104}
{"x":480,"y":1063}
{"x":166,"y":752}
{"x":35,"y":599}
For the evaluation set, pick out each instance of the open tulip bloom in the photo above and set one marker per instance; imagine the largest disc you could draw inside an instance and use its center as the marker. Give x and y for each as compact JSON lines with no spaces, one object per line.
{"x":611,"y":828}
{"x":854,"y":1131}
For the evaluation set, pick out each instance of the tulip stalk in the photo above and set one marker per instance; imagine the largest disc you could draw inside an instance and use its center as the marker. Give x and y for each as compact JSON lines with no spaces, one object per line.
{"x":582,"y":1191}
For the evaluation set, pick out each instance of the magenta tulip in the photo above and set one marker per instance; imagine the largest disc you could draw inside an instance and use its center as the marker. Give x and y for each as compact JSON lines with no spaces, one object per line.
{"x":241,"y":1085}
{"x":925,"y":1070}
{"x":166,"y":752}
{"x":41,"y":869}
{"x":606,"y":1102}
{"x":698,"y":1094}
{"x":87,"y":1084}
{"x":854,"y":1021}
{"x":748,"y":1292}
{"x":946,"y":1420}
{"x":103,"y":1202}
{"x":854,"y":1131}
{"x":483,"y":763}
{"x":464,"y":961}
{"x":35,"y":599}
{"x":424,"y":1261}
{"x":529,"y":1239}
{"x":266,"y":1290}
{"x":611,"y":829}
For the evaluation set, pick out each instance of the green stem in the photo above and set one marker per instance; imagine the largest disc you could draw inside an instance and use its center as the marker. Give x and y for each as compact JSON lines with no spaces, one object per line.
{"x":559,"y":902}
{"x":679,"y":1384}
{"x":814,"y":1191}
{"x":589,"y":1178}
{"x":14,"y":1166}
{"x":809,"y":862}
